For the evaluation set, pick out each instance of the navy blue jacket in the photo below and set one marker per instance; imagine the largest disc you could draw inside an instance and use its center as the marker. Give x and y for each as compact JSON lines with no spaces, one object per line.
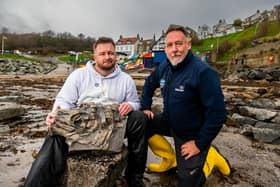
{"x":193,"y":100}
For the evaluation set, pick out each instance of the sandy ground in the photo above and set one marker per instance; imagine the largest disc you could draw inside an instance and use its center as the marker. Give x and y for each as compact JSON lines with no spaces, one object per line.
{"x":15,"y":163}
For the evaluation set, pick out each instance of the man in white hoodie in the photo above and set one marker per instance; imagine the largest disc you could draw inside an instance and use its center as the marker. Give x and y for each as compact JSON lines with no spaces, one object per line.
{"x":103,"y":81}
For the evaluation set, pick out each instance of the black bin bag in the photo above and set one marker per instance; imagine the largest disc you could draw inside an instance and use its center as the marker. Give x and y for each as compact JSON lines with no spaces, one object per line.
{"x":50,"y":164}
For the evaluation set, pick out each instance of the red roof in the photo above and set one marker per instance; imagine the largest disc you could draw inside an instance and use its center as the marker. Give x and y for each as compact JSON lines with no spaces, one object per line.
{"x":132,"y":40}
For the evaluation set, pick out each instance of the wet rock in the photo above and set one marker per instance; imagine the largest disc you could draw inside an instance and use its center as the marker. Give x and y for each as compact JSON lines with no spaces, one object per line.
{"x":272,"y":126}
{"x":269,"y":77}
{"x":10,"y":110}
{"x":244,"y":120}
{"x":266,"y":132}
{"x":275,"y":73}
{"x":246,"y":130}
{"x":231,"y":108}
{"x":266,"y":135}
{"x":238,"y":101}
{"x":256,"y":75}
{"x":246,"y":95}
{"x":20,"y":67}
{"x":90,"y":169}
{"x":276,"y":119}
{"x":259,"y":114}
{"x":263,"y":103}
{"x":4,"y":129}
{"x":16,"y":99}
{"x":232,"y":122}
{"x":262,"y":91}
{"x":270,"y":74}
{"x":4,"y":146}
{"x":277,"y":103}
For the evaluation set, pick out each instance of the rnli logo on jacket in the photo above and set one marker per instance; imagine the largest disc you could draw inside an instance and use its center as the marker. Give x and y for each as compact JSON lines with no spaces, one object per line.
{"x":162,"y":83}
{"x":181,"y":88}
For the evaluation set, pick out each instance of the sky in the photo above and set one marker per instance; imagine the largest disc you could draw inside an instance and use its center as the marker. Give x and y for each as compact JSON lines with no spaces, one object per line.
{"x":113,"y":18}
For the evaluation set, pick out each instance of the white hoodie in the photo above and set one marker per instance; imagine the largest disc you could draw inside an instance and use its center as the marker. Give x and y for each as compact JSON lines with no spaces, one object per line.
{"x":86,"y":85}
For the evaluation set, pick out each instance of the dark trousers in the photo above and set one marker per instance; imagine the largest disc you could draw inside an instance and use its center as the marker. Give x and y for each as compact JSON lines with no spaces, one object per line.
{"x":190,"y":172}
{"x":137,"y":146}
{"x":51,"y":160}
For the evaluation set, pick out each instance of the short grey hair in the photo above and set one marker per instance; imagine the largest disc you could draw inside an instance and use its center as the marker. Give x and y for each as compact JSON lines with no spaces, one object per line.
{"x":180,"y":28}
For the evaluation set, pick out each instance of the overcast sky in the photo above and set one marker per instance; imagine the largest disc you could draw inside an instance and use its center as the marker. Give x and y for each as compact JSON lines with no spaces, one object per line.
{"x":122,"y":17}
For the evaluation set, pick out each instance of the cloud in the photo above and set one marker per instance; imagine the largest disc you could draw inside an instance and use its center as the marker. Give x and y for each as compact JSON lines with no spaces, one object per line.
{"x":123,"y":17}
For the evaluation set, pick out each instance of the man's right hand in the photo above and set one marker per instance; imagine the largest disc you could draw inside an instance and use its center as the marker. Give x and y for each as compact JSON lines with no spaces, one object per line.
{"x":50,"y":120}
{"x":149,"y":113}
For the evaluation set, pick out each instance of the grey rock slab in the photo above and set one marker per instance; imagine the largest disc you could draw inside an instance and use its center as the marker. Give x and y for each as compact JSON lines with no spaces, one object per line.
{"x":10,"y":110}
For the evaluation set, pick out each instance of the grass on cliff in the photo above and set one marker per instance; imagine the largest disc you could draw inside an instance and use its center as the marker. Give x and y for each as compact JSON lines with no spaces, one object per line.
{"x":237,"y":40}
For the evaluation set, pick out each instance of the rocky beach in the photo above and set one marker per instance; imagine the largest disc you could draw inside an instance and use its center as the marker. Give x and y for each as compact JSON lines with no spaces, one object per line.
{"x":249,"y":140}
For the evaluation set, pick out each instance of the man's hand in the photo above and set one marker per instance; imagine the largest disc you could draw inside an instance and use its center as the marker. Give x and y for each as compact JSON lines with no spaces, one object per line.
{"x":50,"y":120}
{"x":125,"y":108}
{"x":189,"y":149}
{"x":149,"y":113}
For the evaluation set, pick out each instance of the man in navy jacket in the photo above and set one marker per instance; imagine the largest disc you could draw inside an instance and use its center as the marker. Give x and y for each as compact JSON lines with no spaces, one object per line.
{"x":194,"y":109}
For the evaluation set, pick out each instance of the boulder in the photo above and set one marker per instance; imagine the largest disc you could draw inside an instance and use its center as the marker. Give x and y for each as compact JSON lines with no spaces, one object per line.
{"x":244,"y":120}
{"x":86,"y":169}
{"x":10,"y":110}
{"x":259,"y":114}
{"x":263,"y":103}
{"x":266,"y":135}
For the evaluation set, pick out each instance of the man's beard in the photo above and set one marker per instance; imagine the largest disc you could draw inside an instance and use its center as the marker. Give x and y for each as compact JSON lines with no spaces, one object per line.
{"x":175,"y":63}
{"x":106,"y":67}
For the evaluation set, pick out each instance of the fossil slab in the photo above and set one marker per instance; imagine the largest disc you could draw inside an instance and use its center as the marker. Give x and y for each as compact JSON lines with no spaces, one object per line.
{"x":91,"y":127}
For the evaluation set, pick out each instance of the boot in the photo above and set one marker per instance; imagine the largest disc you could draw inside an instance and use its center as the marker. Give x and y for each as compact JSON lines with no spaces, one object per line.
{"x":216,"y":159}
{"x":162,"y":148}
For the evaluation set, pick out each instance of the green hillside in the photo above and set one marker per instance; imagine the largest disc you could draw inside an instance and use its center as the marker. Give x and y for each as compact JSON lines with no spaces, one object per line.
{"x":230,"y":44}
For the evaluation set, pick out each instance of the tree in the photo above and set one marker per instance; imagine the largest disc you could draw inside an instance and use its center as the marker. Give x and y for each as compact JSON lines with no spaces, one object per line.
{"x":81,"y":36}
{"x":237,"y":22}
{"x":4,"y":30}
{"x":49,"y":33}
{"x":48,"y":42}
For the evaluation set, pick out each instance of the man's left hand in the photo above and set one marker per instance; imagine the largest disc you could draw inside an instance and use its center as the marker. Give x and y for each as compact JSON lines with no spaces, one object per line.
{"x":125,"y":108}
{"x":189,"y":149}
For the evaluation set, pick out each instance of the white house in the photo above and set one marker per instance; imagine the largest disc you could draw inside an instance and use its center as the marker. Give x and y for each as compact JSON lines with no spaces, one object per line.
{"x":203,"y":31}
{"x":127,"y":45}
